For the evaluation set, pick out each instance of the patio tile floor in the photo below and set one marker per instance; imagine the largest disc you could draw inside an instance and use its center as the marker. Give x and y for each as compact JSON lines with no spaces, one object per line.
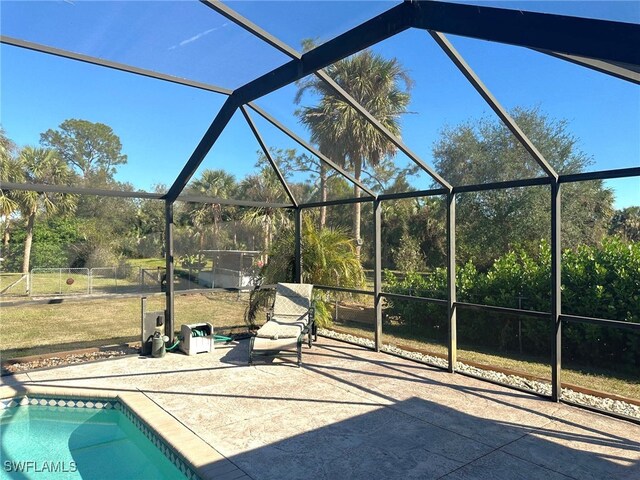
{"x":355,"y":414}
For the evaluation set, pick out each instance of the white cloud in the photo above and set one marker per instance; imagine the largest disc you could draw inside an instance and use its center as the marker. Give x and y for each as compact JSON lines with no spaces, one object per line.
{"x":196,"y":37}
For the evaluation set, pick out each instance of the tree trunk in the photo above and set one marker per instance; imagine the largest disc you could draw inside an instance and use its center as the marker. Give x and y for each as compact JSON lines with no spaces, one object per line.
{"x":31,"y":220}
{"x":6,"y":236}
{"x":163,"y":248}
{"x":201,"y":241}
{"x":323,"y":194}
{"x":235,"y":235}
{"x":266,"y":230}
{"x":356,"y":207}
{"x":216,"y":241}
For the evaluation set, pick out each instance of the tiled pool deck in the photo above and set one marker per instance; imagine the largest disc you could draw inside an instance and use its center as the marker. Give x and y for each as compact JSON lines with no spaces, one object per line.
{"x":350,"y":413}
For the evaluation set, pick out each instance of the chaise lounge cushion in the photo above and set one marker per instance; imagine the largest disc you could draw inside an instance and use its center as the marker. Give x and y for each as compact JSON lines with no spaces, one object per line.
{"x":277,"y":329}
{"x":267,"y":344}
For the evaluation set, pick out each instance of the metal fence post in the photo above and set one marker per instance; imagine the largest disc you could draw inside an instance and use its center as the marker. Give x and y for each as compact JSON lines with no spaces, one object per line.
{"x":377,"y":279}
{"x":556,"y":293}
{"x":169,"y":290}
{"x":297,"y":269}
{"x":451,"y":281}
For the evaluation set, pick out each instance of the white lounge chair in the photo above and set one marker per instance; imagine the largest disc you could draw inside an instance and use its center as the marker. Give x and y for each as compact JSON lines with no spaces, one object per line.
{"x":290,"y":318}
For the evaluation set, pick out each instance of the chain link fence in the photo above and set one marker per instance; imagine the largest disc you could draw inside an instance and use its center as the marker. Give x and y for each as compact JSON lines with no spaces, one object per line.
{"x":42,"y":282}
{"x":59,"y":281}
{"x":14,"y":284}
{"x":152,"y":279}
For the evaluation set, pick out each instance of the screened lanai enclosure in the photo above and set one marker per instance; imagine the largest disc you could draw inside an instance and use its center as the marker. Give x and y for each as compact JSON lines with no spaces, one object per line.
{"x":252,"y":138}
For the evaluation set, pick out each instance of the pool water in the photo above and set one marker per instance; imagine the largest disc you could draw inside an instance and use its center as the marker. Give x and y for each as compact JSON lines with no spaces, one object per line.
{"x":51,"y":442}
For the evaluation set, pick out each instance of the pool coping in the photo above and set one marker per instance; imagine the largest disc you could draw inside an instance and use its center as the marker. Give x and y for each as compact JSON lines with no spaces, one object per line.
{"x":198,"y":455}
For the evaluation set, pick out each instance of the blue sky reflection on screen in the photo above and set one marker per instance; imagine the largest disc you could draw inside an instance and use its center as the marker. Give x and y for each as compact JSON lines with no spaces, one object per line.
{"x":160,"y":124}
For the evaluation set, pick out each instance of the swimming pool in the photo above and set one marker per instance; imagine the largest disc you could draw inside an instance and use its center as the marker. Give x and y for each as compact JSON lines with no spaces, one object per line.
{"x":82,"y":439}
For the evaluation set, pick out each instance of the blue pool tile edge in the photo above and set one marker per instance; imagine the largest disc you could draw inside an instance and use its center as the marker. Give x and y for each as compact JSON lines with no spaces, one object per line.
{"x":105,"y":403}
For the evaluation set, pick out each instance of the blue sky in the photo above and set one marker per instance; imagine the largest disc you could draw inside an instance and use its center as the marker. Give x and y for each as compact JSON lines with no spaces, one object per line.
{"x":160,"y":123}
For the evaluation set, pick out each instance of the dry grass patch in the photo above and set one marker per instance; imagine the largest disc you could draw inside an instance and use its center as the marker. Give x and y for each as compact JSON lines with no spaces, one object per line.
{"x":605,"y":381}
{"x":38,"y":329}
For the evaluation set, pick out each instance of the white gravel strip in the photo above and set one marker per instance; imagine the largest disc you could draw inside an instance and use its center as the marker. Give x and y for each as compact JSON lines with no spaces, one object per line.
{"x":607,"y":404}
{"x":66,"y":360}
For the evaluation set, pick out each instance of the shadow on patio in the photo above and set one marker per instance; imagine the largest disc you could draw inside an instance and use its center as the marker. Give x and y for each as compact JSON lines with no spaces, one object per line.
{"x":354,"y":413}
{"x":388,"y":442}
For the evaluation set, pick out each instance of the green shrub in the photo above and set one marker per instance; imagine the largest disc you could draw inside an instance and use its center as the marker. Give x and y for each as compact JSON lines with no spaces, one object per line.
{"x":601,"y":282}
{"x":53,"y":243}
{"x":328,"y":257}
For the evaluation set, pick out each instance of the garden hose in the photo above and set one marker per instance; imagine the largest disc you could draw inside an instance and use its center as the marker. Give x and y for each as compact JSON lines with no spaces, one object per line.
{"x":198,"y":333}
{"x":216,"y":338}
{"x":172,"y":347}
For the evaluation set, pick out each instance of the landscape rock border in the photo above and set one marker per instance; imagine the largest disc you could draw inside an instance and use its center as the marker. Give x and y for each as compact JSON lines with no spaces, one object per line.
{"x":36,"y":362}
{"x":617,"y":407}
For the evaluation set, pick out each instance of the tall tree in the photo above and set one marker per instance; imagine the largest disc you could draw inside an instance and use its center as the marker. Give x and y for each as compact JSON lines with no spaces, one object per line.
{"x":41,"y":166}
{"x":492,"y":222}
{"x":265,"y":187}
{"x":289,"y":162}
{"x":91,"y":148}
{"x":626,"y":223}
{"x":7,"y":147}
{"x":151,"y":224}
{"x":413,"y":228}
{"x":211,"y":183}
{"x":93,"y":151}
{"x":381,"y":86}
{"x":10,"y":171}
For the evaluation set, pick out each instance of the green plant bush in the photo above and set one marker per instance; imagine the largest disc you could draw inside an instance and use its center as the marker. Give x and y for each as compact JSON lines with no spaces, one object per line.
{"x":605,"y":283}
{"x":53,"y":242}
{"x":601,"y":282}
{"x":328,"y":257}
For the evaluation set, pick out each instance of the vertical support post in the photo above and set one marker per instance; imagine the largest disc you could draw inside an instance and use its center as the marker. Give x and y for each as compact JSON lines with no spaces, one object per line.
{"x":297,"y":266}
{"x":451,"y":281}
{"x":556,"y":294}
{"x":214,"y":262}
{"x":377,"y":270}
{"x":143,"y":308}
{"x":169,"y":291}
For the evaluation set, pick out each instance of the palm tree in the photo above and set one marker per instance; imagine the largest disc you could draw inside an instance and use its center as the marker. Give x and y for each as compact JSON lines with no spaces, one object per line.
{"x":329,"y":257}
{"x":216,"y":184}
{"x":10,"y":171}
{"x":381,"y":86}
{"x":265,"y":187}
{"x":41,"y":166}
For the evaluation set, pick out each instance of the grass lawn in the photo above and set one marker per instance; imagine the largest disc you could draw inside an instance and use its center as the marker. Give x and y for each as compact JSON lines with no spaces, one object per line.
{"x":618,"y":383}
{"x":38,"y":329}
{"x":147,"y":262}
{"x":30,"y":330}
{"x":160,"y":262}
{"x":78,"y":283}
{"x":102,"y":281}
{"x":10,"y":284}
